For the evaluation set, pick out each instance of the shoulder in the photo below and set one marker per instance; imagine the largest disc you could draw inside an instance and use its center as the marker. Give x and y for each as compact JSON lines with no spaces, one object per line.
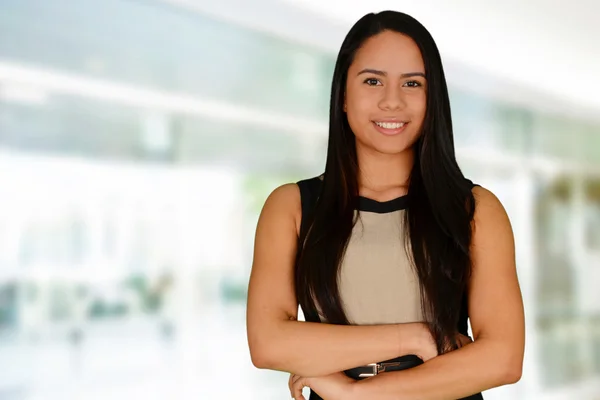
{"x":283,"y":199}
{"x":491,"y":223}
{"x":284,"y":204}
{"x":281,"y":211}
{"x":486,"y":202}
{"x":293,"y":195}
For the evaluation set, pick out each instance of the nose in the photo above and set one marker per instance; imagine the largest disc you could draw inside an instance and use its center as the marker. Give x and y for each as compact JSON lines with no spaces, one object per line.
{"x":392,"y":99}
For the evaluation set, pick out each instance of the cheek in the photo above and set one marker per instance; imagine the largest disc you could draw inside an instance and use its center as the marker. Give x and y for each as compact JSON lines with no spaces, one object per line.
{"x":418,"y":100}
{"x":358,"y":109}
{"x":354,"y":120}
{"x":418,"y":106}
{"x":358,"y":101}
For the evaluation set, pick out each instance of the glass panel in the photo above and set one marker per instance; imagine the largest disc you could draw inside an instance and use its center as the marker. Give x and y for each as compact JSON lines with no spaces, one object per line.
{"x":169,"y":50}
{"x":589,"y":145}
{"x":556,"y":137}
{"x":481,"y":123}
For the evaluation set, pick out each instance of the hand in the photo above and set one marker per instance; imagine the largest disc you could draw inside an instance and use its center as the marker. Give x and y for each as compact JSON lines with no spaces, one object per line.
{"x":422,"y":343}
{"x":296,"y":384}
{"x":424,"y":346}
{"x":463,"y":340}
{"x":336,"y":386}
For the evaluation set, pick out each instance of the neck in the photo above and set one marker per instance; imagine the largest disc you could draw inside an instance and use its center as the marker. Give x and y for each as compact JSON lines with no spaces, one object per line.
{"x":380,"y":172}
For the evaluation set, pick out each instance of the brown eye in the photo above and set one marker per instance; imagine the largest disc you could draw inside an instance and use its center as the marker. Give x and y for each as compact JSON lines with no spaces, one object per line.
{"x":372,"y":81}
{"x":413,"y":84}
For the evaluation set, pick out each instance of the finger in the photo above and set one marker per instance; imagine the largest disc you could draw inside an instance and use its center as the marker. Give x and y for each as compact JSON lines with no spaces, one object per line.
{"x":293,"y":382}
{"x":297,"y":386}
{"x":295,"y":379}
{"x":464,"y":340}
{"x":297,"y":394}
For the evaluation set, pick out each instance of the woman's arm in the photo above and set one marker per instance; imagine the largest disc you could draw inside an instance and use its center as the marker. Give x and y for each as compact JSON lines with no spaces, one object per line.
{"x":277,"y":340}
{"x":495,"y":358}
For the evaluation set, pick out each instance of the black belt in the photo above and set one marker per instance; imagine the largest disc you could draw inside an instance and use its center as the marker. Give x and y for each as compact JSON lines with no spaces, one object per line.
{"x":396,"y":364}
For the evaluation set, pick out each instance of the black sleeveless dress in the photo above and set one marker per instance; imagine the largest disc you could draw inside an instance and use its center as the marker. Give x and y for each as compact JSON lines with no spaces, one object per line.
{"x":309,"y":191}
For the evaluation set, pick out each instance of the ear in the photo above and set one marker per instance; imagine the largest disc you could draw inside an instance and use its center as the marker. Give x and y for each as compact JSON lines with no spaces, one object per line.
{"x":345,"y":108}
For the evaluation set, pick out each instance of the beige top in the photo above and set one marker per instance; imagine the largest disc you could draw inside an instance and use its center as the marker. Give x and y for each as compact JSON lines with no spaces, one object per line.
{"x":377,"y":282}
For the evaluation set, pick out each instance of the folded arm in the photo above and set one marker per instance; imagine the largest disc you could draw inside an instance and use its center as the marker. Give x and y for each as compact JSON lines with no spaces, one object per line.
{"x":495,"y":358}
{"x":276,"y":339}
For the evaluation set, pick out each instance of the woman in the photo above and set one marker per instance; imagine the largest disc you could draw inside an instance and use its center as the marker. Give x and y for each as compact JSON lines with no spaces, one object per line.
{"x":392,"y":248}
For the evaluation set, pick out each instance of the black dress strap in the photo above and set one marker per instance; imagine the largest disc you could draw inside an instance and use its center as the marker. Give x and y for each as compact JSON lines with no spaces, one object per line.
{"x":310,"y":189}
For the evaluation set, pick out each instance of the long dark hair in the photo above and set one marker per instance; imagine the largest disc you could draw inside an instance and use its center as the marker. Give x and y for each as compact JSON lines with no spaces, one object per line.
{"x":440,"y":203}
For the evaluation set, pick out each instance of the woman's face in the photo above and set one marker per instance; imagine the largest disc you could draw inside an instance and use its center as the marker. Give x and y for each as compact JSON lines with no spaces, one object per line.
{"x":386,"y":93}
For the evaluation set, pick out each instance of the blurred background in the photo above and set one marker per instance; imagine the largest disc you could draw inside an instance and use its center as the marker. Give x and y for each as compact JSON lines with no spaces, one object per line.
{"x":140,"y":138}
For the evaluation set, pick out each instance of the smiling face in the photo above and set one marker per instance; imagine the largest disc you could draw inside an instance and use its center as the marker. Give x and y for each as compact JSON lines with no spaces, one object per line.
{"x":386,"y":93}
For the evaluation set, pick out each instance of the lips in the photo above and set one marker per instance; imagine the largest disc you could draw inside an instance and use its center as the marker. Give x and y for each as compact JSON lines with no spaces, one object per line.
{"x":390,"y":128}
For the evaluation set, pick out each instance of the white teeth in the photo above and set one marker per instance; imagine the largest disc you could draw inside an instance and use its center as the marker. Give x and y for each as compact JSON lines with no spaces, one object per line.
{"x":390,"y":125}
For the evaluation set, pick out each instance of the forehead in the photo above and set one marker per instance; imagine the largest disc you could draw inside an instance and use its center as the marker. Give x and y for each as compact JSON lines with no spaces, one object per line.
{"x":389,"y":51}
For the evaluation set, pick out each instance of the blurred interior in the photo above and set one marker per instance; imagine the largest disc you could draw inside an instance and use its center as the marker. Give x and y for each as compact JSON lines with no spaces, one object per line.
{"x":138,"y":142}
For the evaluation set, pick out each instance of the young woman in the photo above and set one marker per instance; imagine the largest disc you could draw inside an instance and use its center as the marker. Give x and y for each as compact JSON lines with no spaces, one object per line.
{"x":392,"y":248}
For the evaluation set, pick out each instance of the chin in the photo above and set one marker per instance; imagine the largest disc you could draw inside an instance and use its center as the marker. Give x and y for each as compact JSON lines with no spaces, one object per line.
{"x":393,"y":150}
{"x":392,"y":145}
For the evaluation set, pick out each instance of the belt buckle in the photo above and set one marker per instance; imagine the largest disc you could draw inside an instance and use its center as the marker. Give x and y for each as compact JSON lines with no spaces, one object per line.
{"x":370,"y":374}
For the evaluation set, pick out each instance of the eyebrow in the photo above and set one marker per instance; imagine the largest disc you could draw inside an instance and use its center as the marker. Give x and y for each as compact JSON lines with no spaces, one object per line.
{"x":383,"y":73}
